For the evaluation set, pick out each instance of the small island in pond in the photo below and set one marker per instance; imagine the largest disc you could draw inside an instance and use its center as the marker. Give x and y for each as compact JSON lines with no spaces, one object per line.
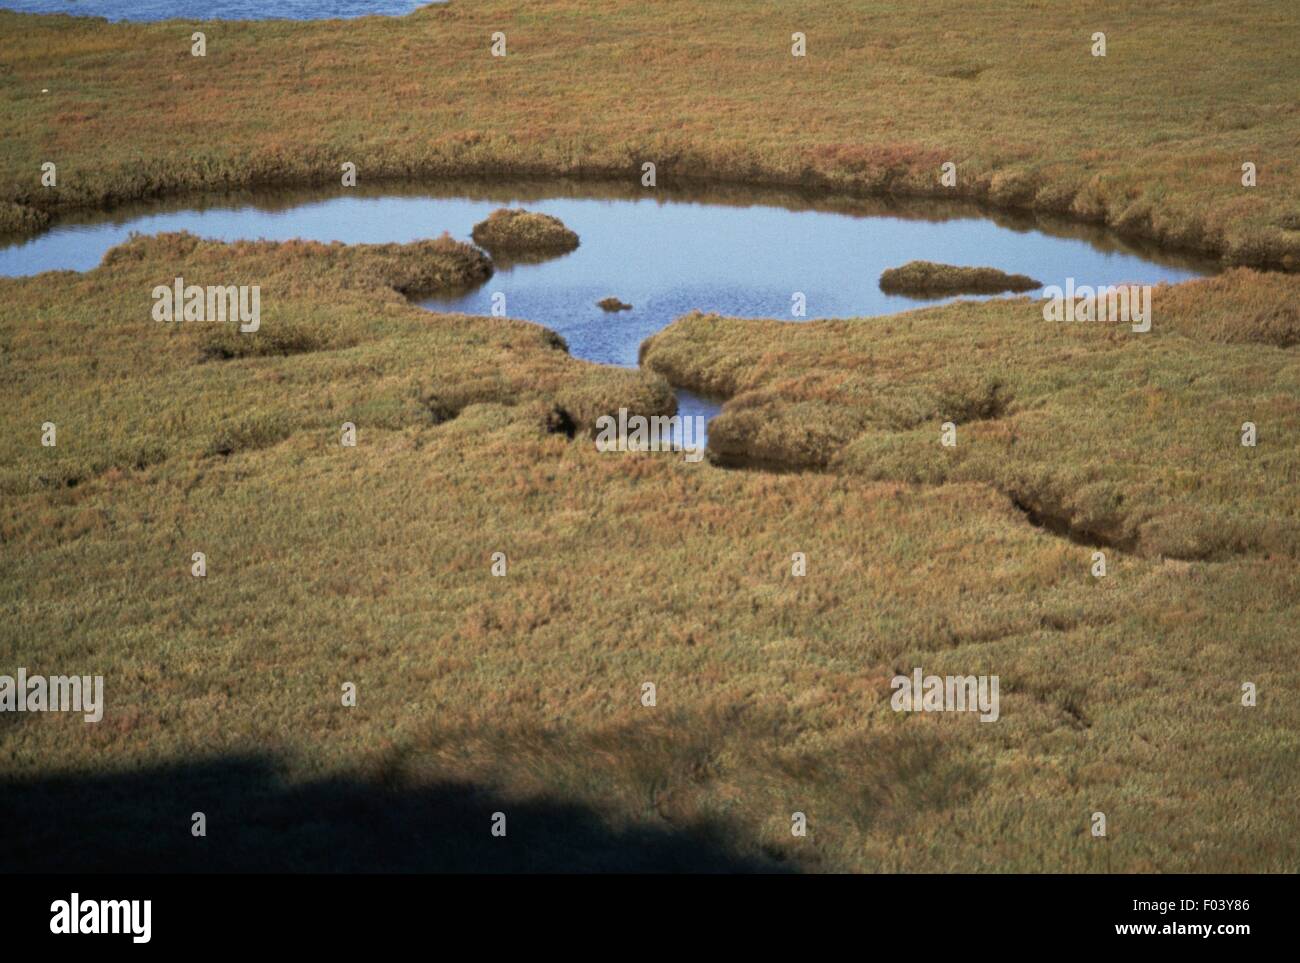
{"x":927,"y":278}
{"x":516,"y":231}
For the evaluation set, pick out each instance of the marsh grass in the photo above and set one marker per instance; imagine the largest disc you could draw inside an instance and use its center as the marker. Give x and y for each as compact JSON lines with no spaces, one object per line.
{"x":371,"y":564}
{"x":1114,"y":437}
{"x":477,"y":693}
{"x":312,"y":297}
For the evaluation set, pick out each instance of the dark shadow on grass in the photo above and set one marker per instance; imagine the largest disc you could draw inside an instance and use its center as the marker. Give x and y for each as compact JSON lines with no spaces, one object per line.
{"x":257,"y":822}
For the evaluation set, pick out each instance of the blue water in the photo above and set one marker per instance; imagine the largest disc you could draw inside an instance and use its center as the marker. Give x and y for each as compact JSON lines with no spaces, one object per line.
{"x":217,"y":9}
{"x":665,"y":256}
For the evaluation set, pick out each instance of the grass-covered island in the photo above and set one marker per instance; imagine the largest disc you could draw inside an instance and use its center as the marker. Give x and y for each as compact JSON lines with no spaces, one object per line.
{"x":515,"y":231}
{"x":928,"y":279}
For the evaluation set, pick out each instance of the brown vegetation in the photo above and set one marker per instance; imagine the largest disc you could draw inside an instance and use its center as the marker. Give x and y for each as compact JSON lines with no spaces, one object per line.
{"x":515,"y":231}
{"x":372,"y":565}
{"x":1113,"y":437}
{"x":927,"y":278}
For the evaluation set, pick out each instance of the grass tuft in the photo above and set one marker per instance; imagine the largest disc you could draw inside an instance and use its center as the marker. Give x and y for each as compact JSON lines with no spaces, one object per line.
{"x":515,"y":231}
{"x":927,"y":278}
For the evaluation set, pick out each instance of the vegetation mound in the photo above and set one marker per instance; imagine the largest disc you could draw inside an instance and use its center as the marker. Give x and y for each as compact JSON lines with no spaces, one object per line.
{"x":929,"y":278}
{"x":1034,"y":404}
{"x":514,"y":230}
{"x":337,"y":341}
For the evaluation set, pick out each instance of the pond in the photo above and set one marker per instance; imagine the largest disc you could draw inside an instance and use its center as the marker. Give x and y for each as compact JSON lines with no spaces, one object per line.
{"x":732,"y":251}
